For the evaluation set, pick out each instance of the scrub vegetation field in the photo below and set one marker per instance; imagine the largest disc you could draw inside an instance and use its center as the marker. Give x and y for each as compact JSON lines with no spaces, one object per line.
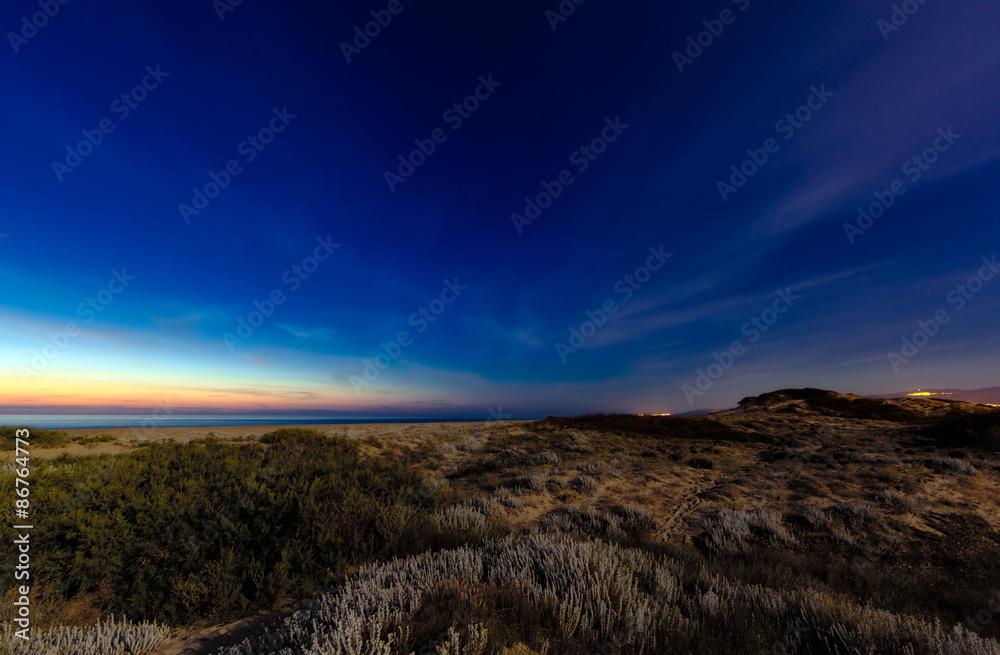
{"x":804,"y":521}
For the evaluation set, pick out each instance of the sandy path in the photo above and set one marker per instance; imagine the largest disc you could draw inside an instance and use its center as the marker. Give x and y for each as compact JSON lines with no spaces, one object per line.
{"x":688,"y":501}
{"x":193,"y":641}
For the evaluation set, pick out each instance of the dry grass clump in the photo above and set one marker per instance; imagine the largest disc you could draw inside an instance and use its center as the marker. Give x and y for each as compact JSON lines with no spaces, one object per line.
{"x":896,"y":500}
{"x":487,"y":505}
{"x":842,"y":520}
{"x":508,"y":498}
{"x":628,"y":522}
{"x":840,"y":534}
{"x":588,"y":466}
{"x":446,"y":448}
{"x":463,"y":520}
{"x":587,"y":521}
{"x":532,"y":482}
{"x":547,"y":458}
{"x":731,"y":530}
{"x":514,"y":454}
{"x":478,"y":517}
{"x":109,"y":638}
{"x":471,"y":443}
{"x":436,"y":482}
{"x":949,"y":465}
{"x":856,"y":515}
{"x":638,"y":521}
{"x":585,"y":484}
{"x":817,"y":517}
{"x":575,"y":596}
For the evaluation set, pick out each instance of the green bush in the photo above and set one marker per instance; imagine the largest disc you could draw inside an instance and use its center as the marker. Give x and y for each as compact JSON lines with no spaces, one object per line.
{"x":84,"y":440}
{"x":207,"y":530}
{"x":37,"y":438}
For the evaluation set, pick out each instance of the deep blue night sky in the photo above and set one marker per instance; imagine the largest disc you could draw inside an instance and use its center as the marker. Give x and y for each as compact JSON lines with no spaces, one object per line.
{"x":870,"y":95}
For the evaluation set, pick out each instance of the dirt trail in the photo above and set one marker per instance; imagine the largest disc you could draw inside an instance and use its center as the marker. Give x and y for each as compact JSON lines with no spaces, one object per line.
{"x":204,"y":641}
{"x":688,"y":501}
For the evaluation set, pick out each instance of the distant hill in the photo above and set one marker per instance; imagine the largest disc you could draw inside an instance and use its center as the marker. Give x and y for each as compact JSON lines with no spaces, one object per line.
{"x":986,"y":396}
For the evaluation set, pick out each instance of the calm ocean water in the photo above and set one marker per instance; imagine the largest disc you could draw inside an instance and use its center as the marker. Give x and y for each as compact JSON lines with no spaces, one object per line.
{"x":86,"y":421}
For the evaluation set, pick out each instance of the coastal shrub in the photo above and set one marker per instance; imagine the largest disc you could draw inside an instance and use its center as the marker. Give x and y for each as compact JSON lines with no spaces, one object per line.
{"x":84,"y":440}
{"x":111,"y":637}
{"x":208,"y":530}
{"x":730,"y":531}
{"x":574,"y":597}
{"x":36,"y":437}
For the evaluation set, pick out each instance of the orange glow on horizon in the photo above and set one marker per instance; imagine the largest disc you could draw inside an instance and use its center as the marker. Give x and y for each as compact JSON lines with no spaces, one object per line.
{"x":238,"y":396}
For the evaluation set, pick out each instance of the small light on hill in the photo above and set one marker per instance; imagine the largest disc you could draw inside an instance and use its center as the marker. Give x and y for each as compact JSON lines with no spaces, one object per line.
{"x":929,"y":393}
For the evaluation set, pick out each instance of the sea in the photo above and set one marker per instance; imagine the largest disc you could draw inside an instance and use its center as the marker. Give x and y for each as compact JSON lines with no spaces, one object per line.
{"x":90,"y":421}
